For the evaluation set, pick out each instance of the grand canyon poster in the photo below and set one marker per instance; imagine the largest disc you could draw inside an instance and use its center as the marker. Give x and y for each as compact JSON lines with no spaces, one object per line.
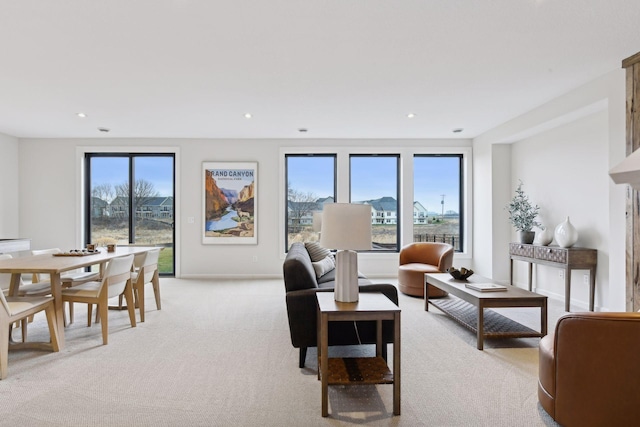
{"x":230,"y":202}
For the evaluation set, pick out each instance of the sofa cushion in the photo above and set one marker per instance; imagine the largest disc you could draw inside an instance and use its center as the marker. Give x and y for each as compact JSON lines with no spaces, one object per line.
{"x":324,"y":266}
{"x":316,"y":252}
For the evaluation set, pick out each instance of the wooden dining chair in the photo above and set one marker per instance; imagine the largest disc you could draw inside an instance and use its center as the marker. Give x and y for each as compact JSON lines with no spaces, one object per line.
{"x":146,"y":271}
{"x":116,"y":281}
{"x":24,"y":290}
{"x":68,"y":279}
{"x":15,"y":309}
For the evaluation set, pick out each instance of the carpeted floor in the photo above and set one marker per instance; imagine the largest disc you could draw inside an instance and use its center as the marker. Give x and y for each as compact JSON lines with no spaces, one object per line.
{"x":219,"y":354}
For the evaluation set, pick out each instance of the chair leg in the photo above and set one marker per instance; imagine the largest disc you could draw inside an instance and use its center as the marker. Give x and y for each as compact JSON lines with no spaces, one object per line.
{"x":128,"y":294}
{"x":4,"y":351}
{"x":303,"y":357}
{"x":89,"y":313}
{"x":23,"y":329}
{"x":140,"y":300}
{"x":103,"y":309}
{"x":53,"y":328}
{"x":71,"y":312}
{"x":11,"y":326}
{"x":156,"y":289}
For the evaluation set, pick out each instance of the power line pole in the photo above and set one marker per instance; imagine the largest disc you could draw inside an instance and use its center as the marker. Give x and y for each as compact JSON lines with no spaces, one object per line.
{"x":442,"y":203}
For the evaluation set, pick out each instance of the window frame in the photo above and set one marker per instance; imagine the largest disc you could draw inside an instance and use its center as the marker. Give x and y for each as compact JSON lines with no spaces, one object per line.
{"x":406,"y":153}
{"x":286,"y":186}
{"x":461,"y":195}
{"x":385,"y":214}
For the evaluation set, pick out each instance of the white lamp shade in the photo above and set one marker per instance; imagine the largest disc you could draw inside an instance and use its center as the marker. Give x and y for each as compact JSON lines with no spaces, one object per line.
{"x":346,"y":226}
{"x":627,"y":171}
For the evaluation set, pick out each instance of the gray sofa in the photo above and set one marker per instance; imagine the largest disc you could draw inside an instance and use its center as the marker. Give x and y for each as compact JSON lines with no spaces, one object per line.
{"x":301,"y":286}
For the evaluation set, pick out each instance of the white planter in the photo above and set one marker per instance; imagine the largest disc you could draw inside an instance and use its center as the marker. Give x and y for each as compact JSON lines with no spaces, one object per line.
{"x":566,"y":234}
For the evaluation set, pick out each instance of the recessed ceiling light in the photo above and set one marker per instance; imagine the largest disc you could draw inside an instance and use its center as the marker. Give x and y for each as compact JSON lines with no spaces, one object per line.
{"x":105,"y":130}
{"x":411,"y":115}
{"x":81,"y":115}
{"x":247,"y":115}
{"x":457,"y":130}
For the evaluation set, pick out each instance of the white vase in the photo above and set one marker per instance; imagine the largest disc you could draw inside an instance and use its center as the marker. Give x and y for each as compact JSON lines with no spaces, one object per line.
{"x":545,"y":236}
{"x":566,"y":234}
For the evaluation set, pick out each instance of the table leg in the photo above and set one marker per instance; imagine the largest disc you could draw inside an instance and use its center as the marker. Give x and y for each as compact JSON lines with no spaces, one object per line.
{"x":14,"y":285}
{"x":592,"y":288}
{"x":426,"y":294}
{"x":530,"y":275}
{"x":543,"y":318}
{"x":324,"y":362}
{"x":56,"y":291}
{"x":480,"y":327}
{"x":511,"y":272}
{"x":567,"y":290}
{"x":396,"y":364}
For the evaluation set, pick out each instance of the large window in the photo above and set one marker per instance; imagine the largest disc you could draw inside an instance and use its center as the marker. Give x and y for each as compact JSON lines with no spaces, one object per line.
{"x":310,"y":183}
{"x":130,"y":202}
{"x":374,"y":181}
{"x":438,"y":199}
{"x":416,"y":193}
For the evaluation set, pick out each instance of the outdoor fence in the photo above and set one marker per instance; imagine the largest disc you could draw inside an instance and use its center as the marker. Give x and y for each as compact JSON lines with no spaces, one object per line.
{"x":452,"y":239}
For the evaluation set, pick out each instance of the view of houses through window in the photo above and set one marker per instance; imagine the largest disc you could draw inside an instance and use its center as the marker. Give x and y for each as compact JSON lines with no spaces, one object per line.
{"x":374,"y":180}
{"x":311,"y":182}
{"x":437,"y":197}
{"x":131,"y":202}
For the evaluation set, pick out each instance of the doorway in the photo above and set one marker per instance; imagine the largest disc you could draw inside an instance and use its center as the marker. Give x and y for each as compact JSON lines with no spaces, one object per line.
{"x":130,"y":201}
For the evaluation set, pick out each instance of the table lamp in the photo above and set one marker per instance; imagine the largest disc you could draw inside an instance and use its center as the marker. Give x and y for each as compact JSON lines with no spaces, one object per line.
{"x":347,"y":228}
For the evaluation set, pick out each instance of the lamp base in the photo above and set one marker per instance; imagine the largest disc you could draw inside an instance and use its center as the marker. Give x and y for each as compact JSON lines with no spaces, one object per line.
{"x":346,"y":289}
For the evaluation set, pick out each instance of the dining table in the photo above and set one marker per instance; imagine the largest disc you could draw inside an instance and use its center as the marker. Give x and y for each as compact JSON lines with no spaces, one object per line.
{"x":56,"y":264}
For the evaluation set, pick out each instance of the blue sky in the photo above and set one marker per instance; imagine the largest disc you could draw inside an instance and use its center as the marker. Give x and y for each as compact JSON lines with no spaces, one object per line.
{"x":115,"y":171}
{"x":374,"y":177}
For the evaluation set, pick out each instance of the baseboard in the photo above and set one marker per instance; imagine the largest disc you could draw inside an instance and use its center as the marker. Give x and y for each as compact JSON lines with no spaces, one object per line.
{"x":232,"y":276}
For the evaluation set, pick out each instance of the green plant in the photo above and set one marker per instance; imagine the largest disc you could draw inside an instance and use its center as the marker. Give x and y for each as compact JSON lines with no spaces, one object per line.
{"x":522,"y":214}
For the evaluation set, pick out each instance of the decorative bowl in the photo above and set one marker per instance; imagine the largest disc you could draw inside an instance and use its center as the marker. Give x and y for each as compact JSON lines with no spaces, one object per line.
{"x":462,"y":274}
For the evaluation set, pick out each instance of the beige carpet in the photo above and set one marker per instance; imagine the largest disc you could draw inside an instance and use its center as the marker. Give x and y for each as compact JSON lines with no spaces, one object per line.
{"x":219,"y":354}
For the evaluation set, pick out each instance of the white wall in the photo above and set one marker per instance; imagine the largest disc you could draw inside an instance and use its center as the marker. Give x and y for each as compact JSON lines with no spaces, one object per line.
{"x":51,"y":213}
{"x":562,"y":151}
{"x":594,"y":114}
{"x":564,"y":171}
{"x":9,"y":190}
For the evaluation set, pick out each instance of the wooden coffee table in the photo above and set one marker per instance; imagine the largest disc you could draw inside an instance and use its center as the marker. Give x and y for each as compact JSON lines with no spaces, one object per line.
{"x":460,"y":310}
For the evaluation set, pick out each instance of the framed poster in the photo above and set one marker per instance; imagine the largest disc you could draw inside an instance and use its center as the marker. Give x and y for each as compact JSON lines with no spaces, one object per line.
{"x":230,"y":202}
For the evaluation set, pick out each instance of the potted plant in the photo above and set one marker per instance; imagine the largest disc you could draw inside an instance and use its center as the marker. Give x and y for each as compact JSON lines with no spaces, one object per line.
{"x":522,"y":215}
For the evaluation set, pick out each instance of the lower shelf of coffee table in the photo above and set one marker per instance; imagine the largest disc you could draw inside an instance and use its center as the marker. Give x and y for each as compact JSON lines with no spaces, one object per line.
{"x":358,"y":370}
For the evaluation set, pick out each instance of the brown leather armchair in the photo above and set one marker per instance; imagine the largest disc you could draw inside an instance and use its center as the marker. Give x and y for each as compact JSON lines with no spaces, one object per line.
{"x":416,"y":259}
{"x":590,"y":370}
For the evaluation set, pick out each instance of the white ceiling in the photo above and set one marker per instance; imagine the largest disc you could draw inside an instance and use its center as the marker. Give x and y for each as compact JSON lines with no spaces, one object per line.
{"x":340,"y":68}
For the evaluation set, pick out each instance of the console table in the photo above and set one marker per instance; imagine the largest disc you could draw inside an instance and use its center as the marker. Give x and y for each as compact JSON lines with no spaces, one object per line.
{"x":555,"y":256}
